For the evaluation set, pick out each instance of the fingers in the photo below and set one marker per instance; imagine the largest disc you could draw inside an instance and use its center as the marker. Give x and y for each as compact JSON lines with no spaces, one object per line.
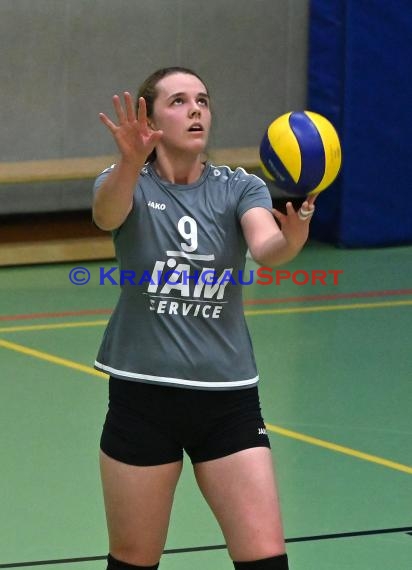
{"x":304,"y":213}
{"x":130,"y":112}
{"x":289,"y":208}
{"x":306,"y":210}
{"x":280,"y":215}
{"x":311,"y":198}
{"x":142,"y":110}
{"x":106,"y":121}
{"x":121,"y":115}
{"x":125,"y":114}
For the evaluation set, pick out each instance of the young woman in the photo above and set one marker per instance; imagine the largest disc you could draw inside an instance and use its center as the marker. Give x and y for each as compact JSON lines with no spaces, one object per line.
{"x":182,"y":370}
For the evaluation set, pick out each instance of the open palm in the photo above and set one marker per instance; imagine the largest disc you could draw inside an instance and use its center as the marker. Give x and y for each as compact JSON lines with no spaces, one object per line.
{"x":133,"y":135}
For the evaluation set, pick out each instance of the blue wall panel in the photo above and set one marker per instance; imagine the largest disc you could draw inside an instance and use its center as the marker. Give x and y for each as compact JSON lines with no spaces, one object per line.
{"x":359,"y":56}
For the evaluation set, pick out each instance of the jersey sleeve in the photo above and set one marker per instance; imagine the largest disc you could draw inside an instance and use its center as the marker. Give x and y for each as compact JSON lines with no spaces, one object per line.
{"x":102,"y":177}
{"x":253,"y":193}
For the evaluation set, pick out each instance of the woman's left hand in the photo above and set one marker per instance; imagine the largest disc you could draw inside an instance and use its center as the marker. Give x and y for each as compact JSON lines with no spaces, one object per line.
{"x":295,"y":224}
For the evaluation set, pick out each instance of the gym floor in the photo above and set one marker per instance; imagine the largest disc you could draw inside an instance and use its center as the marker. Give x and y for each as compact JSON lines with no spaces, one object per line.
{"x":336,"y":389}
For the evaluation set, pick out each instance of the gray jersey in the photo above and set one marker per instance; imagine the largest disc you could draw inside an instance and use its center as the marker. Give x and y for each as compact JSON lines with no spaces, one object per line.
{"x":181,"y":252}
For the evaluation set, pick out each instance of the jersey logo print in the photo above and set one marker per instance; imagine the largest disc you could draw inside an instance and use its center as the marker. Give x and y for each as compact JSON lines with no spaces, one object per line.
{"x":179,"y":288}
{"x":156,"y":205}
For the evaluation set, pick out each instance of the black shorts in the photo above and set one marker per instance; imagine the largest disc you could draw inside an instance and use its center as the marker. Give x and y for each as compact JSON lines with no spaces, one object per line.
{"x":148,"y":424}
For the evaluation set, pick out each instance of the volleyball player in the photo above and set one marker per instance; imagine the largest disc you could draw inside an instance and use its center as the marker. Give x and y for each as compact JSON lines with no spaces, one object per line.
{"x":182,"y":371}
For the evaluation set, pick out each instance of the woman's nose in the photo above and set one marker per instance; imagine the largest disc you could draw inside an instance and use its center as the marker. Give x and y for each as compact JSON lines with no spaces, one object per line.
{"x":194,"y":109}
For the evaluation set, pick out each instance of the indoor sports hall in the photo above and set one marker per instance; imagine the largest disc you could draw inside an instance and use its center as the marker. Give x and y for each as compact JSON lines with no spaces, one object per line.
{"x":331,"y":329}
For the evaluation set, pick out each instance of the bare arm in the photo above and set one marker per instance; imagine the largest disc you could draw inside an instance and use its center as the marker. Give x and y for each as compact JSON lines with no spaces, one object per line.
{"x":113,"y":200}
{"x":270,"y":245}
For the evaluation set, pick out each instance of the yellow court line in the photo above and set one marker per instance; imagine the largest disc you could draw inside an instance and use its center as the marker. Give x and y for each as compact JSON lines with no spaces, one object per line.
{"x":249,"y":313}
{"x":50,"y":358}
{"x":276,"y":429}
{"x":319,"y":308}
{"x":53,"y":326}
{"x":339,"y":448}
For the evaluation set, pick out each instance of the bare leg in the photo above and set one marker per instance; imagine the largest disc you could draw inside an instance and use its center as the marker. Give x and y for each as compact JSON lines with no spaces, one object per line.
{"x":241,"y":491}
{"x":138,"y":503}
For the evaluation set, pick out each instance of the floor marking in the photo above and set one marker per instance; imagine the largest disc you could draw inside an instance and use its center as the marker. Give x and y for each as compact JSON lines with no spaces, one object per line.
{"x":50,"y":358}
{"x":217,"y":546}
{"x":275,"y":429}
{"x":320,"y":308}
{"x":52,"y":326}
{"x":339,"y":448}
{"x":354,"y":534}
{"x":248,"y":313}
{"x":89,"y":370}
{"x":246,"y":302}
{"x":329,"y":297}
{"x":58,"y":561}
{"x":53,"y":315}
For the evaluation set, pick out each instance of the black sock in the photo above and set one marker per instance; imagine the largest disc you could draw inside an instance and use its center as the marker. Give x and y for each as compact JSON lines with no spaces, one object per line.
{"x":113,"y":564}
{"x":274,"y":563}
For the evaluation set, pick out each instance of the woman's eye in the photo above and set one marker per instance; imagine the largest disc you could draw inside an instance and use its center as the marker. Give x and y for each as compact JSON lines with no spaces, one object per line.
{"x":177,"y":101}
{"x":203,"y":101}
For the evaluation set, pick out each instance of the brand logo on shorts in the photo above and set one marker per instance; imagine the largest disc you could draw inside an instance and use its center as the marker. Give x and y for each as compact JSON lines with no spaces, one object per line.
{"x":262,"y":431}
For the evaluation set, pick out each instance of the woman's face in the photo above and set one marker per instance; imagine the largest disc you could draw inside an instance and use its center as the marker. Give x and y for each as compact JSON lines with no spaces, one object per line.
{"x":181,"y":110}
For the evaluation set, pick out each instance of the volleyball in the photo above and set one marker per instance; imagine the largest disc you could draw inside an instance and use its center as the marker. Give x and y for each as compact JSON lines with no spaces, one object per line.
{"x":301,"y":153}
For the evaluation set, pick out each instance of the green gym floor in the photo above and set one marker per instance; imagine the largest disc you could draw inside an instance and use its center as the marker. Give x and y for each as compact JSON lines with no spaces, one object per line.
{"x":336,"y":388}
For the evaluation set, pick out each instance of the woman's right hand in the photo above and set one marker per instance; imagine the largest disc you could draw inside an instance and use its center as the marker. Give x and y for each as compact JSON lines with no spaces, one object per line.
{"x":133,"y":136}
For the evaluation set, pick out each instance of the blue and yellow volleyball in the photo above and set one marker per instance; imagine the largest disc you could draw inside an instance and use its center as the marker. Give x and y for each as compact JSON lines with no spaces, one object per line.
{"x":301,"y":152}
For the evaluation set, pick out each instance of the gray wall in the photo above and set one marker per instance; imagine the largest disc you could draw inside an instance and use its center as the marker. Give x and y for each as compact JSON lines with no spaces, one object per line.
{"x":62,"y":60}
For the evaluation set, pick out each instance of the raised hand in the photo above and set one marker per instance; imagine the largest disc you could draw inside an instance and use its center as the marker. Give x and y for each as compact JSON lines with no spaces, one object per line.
{"x":133,"y":135}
